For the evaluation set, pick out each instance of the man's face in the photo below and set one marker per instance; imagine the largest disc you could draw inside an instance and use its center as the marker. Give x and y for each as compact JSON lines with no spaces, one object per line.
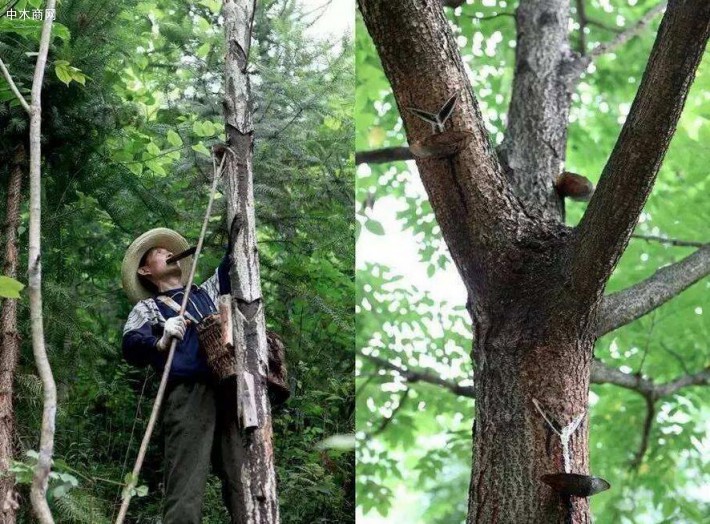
{"x":155,"y":267}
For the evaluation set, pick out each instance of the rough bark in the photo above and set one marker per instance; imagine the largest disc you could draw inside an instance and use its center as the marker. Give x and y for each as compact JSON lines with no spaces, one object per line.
{"x":623,"y":307}
{"x":260,"y":501}
{"x":536,"y":136}
{"x":388,"y":154}
{"x":9,"y":341}
{"x":534,"y":320}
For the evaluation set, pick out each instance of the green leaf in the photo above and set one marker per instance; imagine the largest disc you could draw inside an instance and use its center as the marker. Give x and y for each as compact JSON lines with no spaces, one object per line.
{"x":203,"y":50}
{"x":66,"y":73}
{"x":61,"y":68}
{"x":212,"y":5}
{"x":9,"y":287}
{"x":375,"y":227}
{"x":200,"y":148}
{"x":60,"y":490}
{"x":173,"y":138}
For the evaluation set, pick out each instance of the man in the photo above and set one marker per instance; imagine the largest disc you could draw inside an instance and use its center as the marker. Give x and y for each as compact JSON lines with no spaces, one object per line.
{"x":198,"y":427}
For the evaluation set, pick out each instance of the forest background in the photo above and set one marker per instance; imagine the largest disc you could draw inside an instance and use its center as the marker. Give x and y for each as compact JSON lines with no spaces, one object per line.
{"x":414,"y":433}
{"x":131,"y":106}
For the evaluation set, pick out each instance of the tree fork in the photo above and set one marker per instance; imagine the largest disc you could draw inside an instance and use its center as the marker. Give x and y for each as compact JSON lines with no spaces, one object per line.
{"x":534,"y":320}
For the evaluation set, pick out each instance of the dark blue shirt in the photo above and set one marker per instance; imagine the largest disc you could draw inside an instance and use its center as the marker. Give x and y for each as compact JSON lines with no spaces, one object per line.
{"x":144,"y":327}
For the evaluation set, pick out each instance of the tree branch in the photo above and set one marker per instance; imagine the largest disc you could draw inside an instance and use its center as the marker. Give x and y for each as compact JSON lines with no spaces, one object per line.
{"x":603,"y":374}
{"x":600,"y":374}
{"x":628,"y":177}
{"x":620,"y":39}
{"x":491,"y":17}
{"x":669,"y":241}
{"x":381,"y":156}
{"x":623,"y":307}
{"x":386,"y":421}
{"x":429,"y":377}
{"x":596,"y":23}
{"x":647,"y":424}
{"x":13,"y":87}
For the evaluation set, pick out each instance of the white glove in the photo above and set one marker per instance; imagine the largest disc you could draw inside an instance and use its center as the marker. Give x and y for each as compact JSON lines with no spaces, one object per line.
{"x":174,"y":327}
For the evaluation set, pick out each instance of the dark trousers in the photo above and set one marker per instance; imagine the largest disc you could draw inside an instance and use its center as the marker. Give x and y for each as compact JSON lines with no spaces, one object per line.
{"x":199,"y":427}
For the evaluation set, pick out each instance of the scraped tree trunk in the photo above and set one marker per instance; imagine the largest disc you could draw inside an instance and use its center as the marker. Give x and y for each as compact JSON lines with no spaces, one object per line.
{"x":259,"y":497}
{"x":9,"y":341}
{"x":534,"y":285}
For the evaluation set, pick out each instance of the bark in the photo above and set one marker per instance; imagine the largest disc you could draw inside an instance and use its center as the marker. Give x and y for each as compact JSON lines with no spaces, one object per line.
{"x":536,"y":137}
{"x":259,"y":497}
{"x":38,"y":492}
{"x":623,"y":307}
{"x":602,"y":374}
{"x":388,"y":154}
{"x":9,"y":341}
{"x":534,"y":285}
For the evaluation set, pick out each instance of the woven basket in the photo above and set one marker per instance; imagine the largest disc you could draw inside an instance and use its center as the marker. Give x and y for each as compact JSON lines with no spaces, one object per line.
{"x":220,"y":359}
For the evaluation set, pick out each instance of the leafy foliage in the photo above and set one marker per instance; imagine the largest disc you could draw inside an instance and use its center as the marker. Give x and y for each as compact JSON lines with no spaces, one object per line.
{"x":124,"y":151}
{"x":414,"y":453}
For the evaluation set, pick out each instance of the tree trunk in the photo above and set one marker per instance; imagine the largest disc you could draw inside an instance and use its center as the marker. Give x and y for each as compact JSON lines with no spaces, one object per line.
{"x":521,"y":356}
{"x":534,"y":285}
{"x":38,"y":492}
{"x":9,"y":341}
{"x":533,"y":150}
{"x":259,"y":497}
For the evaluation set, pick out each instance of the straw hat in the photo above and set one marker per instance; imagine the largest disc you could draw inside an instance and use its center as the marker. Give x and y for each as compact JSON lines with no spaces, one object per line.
{"x":158,"y":237}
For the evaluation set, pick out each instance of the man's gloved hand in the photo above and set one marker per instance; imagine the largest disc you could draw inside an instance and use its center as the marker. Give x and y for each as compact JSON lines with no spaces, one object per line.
{"x":174,"y":327}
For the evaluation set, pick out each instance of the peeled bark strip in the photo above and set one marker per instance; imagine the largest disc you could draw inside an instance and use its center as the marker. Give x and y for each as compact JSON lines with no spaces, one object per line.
{"x":259,"y":497}
{"x":9,"y":341}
